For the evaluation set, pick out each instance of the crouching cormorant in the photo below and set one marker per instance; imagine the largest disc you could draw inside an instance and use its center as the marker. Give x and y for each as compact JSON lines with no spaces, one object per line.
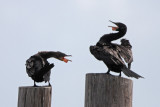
{"x":114,"y":55}
{"x":39,"y":69}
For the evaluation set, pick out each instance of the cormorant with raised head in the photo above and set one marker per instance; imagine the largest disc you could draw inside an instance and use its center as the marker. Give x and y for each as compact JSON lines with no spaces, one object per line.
{"x":113,"y":54}
{"x":39,"y":69}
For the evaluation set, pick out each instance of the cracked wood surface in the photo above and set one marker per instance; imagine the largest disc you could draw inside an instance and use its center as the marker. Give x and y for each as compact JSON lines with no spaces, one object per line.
{"x":34,"y":96}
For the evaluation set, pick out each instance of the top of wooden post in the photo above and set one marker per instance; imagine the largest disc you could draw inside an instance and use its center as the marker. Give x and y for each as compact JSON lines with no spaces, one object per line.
{"x":35,"y":87}
{"x":104,"y":75}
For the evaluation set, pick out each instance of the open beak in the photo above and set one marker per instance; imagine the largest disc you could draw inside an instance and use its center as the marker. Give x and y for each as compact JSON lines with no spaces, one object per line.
{"x":65,"y":59}
{"x":113,"y":28}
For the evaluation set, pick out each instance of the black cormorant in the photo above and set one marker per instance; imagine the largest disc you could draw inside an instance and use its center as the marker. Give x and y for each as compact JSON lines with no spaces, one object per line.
{"x":39,"y":69}
{"x":113,"y":54}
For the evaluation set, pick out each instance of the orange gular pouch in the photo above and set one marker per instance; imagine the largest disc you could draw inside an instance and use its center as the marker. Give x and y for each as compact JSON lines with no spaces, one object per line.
{"x":66,"y":60}
{"x":114,"y":28}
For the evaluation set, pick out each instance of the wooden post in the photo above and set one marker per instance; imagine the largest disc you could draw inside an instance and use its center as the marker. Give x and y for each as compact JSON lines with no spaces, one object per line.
{"x":34,"y":97}
{"x":104,"y":90}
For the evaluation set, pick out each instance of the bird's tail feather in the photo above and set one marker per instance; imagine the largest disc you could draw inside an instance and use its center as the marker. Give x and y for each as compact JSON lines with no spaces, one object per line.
{"x":130,"y":73}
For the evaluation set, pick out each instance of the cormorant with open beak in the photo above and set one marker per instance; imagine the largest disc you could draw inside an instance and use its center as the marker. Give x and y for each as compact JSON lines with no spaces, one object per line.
{"x":39,"y":69}
{"x":113,"y":54}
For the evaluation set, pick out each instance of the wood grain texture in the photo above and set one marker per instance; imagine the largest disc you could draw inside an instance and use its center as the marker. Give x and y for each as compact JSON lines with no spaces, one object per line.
{"x":34,"y":97}
{"x":104,"y":90}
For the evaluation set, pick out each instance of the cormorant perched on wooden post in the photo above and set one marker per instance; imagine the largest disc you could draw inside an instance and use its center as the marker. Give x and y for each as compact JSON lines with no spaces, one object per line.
{"x":113,"y":54}
{"x":39,"y":69}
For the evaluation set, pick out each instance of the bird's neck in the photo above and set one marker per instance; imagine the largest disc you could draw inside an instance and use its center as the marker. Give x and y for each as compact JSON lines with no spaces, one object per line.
{"x":47,"y":55}
{"x":117,"y":35}
{"x":107,"y":38}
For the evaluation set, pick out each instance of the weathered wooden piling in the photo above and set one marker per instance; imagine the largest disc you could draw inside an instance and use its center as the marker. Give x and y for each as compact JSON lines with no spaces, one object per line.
{"x":34,"y":97}
{"x":104,"y":90}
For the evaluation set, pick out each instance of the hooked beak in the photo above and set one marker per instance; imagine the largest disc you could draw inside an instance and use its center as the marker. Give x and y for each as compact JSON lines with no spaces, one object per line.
{"x":113,"y":28}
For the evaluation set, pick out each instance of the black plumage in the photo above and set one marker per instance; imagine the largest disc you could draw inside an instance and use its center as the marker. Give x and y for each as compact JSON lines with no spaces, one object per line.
{"x":113,"y":54}
{"x":39,"y":69}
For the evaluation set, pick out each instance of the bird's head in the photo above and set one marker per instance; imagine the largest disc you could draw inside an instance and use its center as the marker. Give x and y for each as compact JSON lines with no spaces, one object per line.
{"x":61,"y":56}
{"x":119,"y":27}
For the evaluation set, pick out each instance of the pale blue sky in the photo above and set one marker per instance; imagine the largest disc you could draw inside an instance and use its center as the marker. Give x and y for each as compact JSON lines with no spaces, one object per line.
{"x":71,"y":26}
